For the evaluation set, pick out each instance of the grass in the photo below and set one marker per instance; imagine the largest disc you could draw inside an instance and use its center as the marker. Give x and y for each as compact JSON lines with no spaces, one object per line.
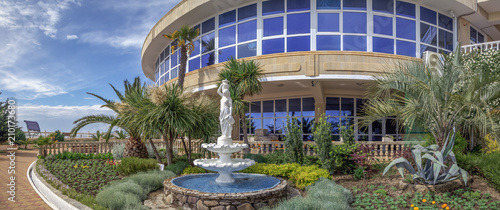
{"x":485,"y":165}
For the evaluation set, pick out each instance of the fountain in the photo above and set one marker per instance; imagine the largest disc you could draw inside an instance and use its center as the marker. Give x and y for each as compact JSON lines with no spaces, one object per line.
{"x":224,"y":189}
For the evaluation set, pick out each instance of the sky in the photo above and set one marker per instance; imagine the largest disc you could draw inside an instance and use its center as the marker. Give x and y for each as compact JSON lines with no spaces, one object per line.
{"x":52,"y":52}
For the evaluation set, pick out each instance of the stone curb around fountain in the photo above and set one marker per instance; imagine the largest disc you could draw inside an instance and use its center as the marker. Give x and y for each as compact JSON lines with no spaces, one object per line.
{"x":186,"y":198}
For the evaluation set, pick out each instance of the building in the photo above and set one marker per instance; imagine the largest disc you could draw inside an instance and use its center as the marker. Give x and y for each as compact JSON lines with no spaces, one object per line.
{"x":316,"y":54}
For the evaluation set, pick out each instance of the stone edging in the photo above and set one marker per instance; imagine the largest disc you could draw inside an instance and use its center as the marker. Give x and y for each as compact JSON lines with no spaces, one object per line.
{"x":53,"y":197}
{"x":441,"y":188}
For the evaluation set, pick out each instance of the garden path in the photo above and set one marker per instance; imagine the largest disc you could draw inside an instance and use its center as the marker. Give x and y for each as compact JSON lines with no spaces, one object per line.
{"x":26,"y":197}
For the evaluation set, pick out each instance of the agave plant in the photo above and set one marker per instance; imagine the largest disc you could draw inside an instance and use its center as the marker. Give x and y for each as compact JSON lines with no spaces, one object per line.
{"x":440,"y":166}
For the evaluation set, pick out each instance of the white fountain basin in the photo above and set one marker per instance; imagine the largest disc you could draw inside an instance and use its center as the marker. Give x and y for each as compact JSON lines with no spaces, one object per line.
{"x":225,"y":168}
{"x":226,"y":149}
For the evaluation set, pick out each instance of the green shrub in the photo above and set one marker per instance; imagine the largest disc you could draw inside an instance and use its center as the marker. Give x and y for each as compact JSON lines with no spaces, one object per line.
{"x":117,"y":150}
{"x":460,"y":142}
{"x":341,"y":155}
{"x":486,"y":164}
{"x":311,"y":160}
{"x":324,"y":194}
{"x":132,"y":165}
{"x":152,"y":180}
{"x":293,"y":141}
{"x":194,"y":170}
{"x":177,"y":167}
{"x":258,"y":158}
{"x":323,"y":138}
{"x":277,"y":157}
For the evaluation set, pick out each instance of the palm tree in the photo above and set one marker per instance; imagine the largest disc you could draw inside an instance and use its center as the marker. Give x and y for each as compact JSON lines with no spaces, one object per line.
{"x":437,"y":99}
{"x":184,"y":37}
{"x":244,"y":78}
{"x":121,"y":134}
{"x":134,"y":147}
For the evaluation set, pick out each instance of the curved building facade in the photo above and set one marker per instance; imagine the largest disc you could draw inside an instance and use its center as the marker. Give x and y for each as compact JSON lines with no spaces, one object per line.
{"x":316,"y":54}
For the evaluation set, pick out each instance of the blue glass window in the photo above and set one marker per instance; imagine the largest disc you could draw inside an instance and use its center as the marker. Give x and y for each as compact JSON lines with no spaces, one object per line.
{"x":208,"y":25}
{"x":197,"y":27}
{"x":273,"y":26}
{"x":383,"y":45}
{"x":174,"y":44}
{"x":162,"y":80}
{"x":308,"y":107}
{"x":273,"y":7}
{"x":405,"y":9}
{"x":167,"y":52}
{"x":445,"y":40}
{"x":327,"y":42}
{"x":473,"y":35}
{"x":174,"y":72}
{"x":347,"y":107}
{"x":298,"y":43}
{"x":280,"y":108}
{"x":480,"y":38}
{"x":226,"y":54}
{"x":175,"y":59}
{"x":383,"y":6}
{"x":405,"y":28}
{"x":354,"y":22}
{"x":162,"y":56}
{"x":271,"y":46}
{"x":428,"y":15}
{"x":328,"y":4}
{"x":382,"y":25}
{"x":332,"y":106}
{"x":247,"y":50}
{"x":247,"y":12}
{"x":446,"y":22}
{"x":208,"y":42}
{"x":194,"y":64}
{"x":328,"y":22}
{"x":298,"y":5}
{"x":196,"y":49}
{"x":294,"y":107}
{"x":405,"y":48}
{"x":354,"y":43}
{"x":207,"y":59}
{"x":162,"y":69}
{"x":428,"y":34}
{"x":227,"y":18}
{"x":304,"y":27}
{"x":167,"y":76}
{"x":227,"y":36}
{"x":247,"y":31}
{"x":355,"y":4}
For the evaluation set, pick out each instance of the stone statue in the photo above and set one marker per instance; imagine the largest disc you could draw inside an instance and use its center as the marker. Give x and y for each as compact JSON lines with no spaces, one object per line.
{"x":226,"y":109}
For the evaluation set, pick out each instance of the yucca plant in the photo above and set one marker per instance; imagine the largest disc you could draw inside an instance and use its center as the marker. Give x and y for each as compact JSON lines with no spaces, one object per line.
{"x":440,"y":166}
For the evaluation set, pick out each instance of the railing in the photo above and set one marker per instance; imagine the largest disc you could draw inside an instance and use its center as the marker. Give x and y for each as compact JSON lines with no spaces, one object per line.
{"x":66,"y":134}
{"x":381,"y":150}
{"x":495,"y":45}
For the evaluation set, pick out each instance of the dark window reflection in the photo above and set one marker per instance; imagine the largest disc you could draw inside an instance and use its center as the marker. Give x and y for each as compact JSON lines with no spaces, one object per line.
{"x":267,"y":108}
{"x":208,"y":42}
{"x":332,"y":106}
{"x":347,"y":107}
{"x":307,"y":124}
{"x":308,"y":107}
{"x":280,"y":106}
{"x":256,"y":110}
{"x":383,"y":6}
{"x":294,"y":107}
{"x":208,"y":59}
{"x":377,"y":127}
{"x":328,"y":4}
{"x":273,"y":6}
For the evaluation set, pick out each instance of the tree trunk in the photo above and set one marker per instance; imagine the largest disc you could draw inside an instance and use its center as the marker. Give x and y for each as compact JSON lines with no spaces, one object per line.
{"x":168,"y":149}
{"x":158,"y":158}
{"x":186,"y":149}
{"x":190,"y":151}
{"x":135,"y":148}
{"x":472,"y":141}
{"x":245,"y":134}
{"x":182,"y":67}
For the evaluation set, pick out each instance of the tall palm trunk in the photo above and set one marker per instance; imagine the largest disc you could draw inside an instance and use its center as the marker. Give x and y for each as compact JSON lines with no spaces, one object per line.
{"x":188,"y":150}
{"x":182,"y":68}
{"x":158,"y":158}
{"x":135,"y":148}
{"x":245,"y":134}
{"x":168,"y":148}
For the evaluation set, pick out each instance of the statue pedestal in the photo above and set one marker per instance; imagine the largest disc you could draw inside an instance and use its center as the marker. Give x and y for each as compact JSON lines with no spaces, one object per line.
{"x":224,"y":140}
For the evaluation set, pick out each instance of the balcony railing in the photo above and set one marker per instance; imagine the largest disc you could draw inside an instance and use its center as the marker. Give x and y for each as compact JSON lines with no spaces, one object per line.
{"x":495,"y":45}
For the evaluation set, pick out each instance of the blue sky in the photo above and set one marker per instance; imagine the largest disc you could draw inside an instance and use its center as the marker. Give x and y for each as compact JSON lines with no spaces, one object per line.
{"x":54,"y":51}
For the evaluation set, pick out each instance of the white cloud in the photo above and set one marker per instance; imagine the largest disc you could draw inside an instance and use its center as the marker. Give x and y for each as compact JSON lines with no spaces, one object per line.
{"x":70,"y":37}
{"x":121,"y":42}
{"x":51,"y":118}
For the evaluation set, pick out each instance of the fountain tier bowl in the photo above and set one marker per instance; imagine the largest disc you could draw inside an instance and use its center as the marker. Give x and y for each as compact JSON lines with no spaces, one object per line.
{"x":226,"y":149}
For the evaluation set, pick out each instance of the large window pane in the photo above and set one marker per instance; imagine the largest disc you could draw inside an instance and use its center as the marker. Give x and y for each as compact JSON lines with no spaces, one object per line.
{"x":247,"y":12}
{"x":298,"y":5}
{"x":298,"y":43}
{"x":208,"y":25}
{"x":303,"y":27}
{"x":327,"y":42}
{"x":175,"y":58}
{"x":445,"y":40}
{"x":255,"y":110}
{"x":227,"y":53}
{"x":167,"y":76}
{"x":383,"y":45}
{"x":382,"y":25}
{"x":354,"y":4}
{"x":247,"y":50}
{"x":354,"y":22}
{"x":268,"y":108}
{"x":428,"y":34}
{"x":194,"y":64}
{"x":428,"y":15}
{"x":445,"y":22}
{"x":405,"y":28}
{"x":335,"y":122}
{"x":273,"y":26}
{"x":208,"y":42}
{"x":391,"y":126}
{"x":328,"y":22}
{"x":254,"y":125}
{"x":269,"y":125}
{"x":328,"y":4}
{"x":273,"y":6}
{"x":405,"y":9}
{"x":280,"y":125}
{"x":359,"y":106}
{"x":280,"y":108}
{"x":227,"y":18}
{"x":271,"y":46}
{"x":307,"y":124}
{"x":383,"y":6}
{"x":162,"y":68}
{"x":473,"y":35}
{"x":208,"y":59}
{"x":227,"y":36}
{"x":424,"y":48}
{"x":480,"y":38}
{"x":377,"y":127}
{"x":405,"y":48}
{"x":332,"y":106}
{"x":294,"y":106}
{"x":247,"y":31}
{"x":196,"y":50}
{"x":347,"y":107}
{"x":174,"y":72}
{"x":308,"y":107}
{"x":354,"y":43}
